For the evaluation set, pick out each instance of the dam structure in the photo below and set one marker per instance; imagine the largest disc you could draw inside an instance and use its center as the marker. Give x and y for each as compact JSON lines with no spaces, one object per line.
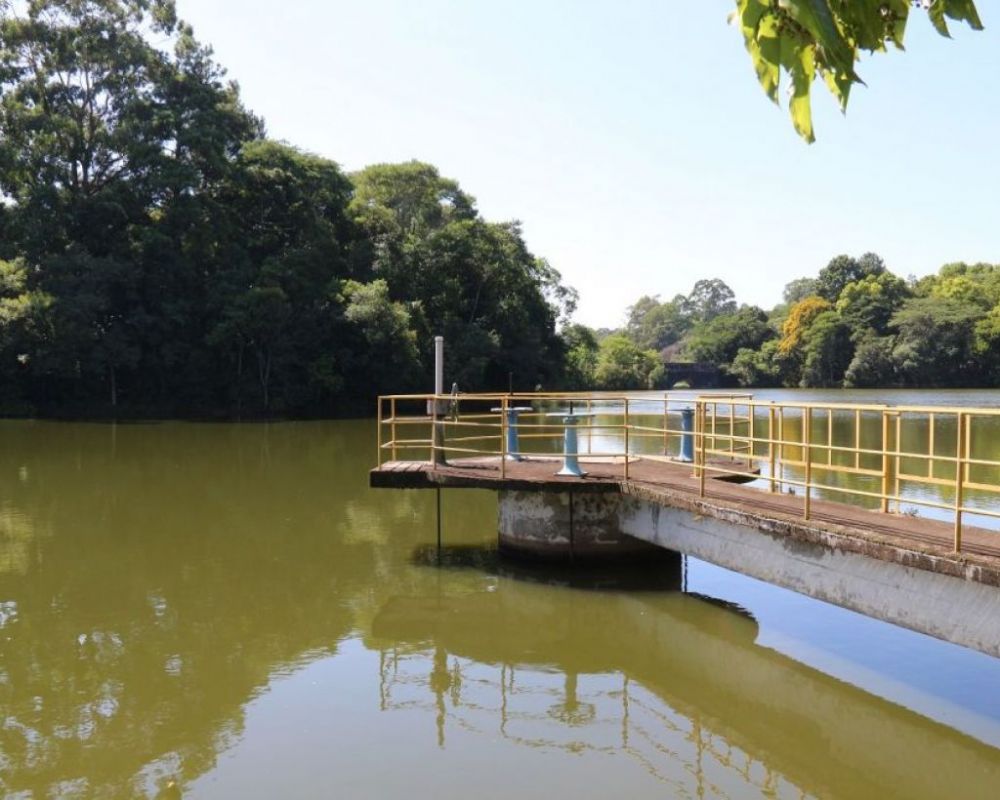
{"x":890,"y":511}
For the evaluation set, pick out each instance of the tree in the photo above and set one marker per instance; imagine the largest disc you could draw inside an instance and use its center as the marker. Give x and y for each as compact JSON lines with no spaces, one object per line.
{"x":827,"y":351}
{"x":867,"y":305}
{"x":654,"y":325}
{"x":621,"y":364}
{"x":800,"y":317}
{"x":806,"y":39}
{"x":799,"y":289}
{"x":843,"y":270}
{"x":758,"y":367}
{"x":283,"y":253}
{"x":873,"y":365}
{"x":720,"y":339}
{"x":709,"y":299}
{"x":390,"y":362}
{"x":581,"y":356}
{"x":935,"y":344}
{"x":472,"y":281}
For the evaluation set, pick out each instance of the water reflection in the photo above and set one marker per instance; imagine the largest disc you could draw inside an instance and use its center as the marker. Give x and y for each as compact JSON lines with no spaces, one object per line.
{"x":165,"y":590}
{"x":673,"y":680}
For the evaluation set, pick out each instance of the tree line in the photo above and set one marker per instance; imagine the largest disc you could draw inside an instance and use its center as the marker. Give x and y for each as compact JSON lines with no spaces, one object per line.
{"x":161,"y":255}
{"x":855,"y":324}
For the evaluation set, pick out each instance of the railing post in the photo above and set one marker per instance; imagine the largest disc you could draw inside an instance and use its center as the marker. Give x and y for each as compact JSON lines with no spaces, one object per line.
{"x":378,"y":434}
{"x":750,"y":426}
{"x":885,"y":461}
{"x":806,"y":446}
{"x":392,"y":425}
{"x":771,"y":450}
{"x":626,"y":438}
{"x":898,"y":447}
{"x":666,"y":425}
{"x":961,"y":435}
{"x":590,"y":428}
{"x":732,"y":429}
{"x":702,"y":442}
{"x":503,"y":437}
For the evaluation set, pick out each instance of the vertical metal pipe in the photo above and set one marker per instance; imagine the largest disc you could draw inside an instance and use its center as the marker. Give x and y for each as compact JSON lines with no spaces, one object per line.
{"x":732,"y":428}
{"x":898,"y":440}
{"x":666,"y":415}
{"x":829,"y":437}
{"x":806,"y":439}
{"x":590,"y":429}
{"x":392,"y":427}
{"x":437,"y":438}
{"x":771,"y":450}
{"x":378,"y":434}
{"x":626,"y":438}
{"x":885,"y":462}
{"x":702,"y":450}
{"x":438,"y":365}
{"x":857,"y":439}
{"x":503,"y":437}
{"x":960,"y":435}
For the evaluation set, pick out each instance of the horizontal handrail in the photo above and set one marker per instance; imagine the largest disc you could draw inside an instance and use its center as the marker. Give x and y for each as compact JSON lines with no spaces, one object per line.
{"x":901,"y":447}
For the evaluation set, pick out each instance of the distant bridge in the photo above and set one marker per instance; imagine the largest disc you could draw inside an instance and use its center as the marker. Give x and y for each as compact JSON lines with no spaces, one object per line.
{"x":865,"y":506}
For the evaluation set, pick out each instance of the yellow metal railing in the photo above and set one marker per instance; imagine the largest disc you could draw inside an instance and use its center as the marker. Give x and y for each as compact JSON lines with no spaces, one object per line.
{"x":613,"y":425}
{"x":882,"y":457}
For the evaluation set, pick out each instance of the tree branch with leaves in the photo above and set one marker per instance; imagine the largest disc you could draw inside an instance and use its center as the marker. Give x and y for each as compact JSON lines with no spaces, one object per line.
{"x":810,"y":39}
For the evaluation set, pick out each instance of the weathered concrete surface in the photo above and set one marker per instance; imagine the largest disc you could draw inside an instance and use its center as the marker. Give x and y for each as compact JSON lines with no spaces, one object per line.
{"x":564,"y":525}
{"x":949,"y":608}
{"x":560,"y":525}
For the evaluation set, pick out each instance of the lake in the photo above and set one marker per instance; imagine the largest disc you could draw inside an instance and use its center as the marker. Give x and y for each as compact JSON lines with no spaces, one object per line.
{"x":222,"y":610}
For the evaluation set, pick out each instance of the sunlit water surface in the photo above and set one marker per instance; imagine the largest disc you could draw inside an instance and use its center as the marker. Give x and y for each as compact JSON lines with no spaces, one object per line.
{"x":195,"y":610}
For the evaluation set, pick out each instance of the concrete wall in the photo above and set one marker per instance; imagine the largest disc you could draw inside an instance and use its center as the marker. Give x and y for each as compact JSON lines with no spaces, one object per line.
{"x":956,"y":610}
{"x":565,"y":525}
{"x":611,"y":525}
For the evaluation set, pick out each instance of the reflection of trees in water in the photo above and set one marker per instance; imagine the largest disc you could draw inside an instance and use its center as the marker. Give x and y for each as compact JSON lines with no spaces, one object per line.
{"x":577,"y":714}
{"x":183,"y":568}
{"x":18,"y":542}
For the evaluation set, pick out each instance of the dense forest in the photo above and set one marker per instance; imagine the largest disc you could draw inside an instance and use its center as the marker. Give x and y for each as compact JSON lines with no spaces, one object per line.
{"x":160,"y":255}
{"x":854,"y":325}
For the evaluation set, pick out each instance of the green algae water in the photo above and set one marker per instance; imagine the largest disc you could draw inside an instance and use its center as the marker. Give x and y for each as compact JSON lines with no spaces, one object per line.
{"x":227,"y":611}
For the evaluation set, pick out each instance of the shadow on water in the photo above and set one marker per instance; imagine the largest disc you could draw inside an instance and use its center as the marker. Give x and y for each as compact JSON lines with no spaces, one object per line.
{"x":653,"y":574}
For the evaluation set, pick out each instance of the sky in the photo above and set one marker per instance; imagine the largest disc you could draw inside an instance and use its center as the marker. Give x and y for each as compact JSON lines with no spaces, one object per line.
{"x":631,"y":138}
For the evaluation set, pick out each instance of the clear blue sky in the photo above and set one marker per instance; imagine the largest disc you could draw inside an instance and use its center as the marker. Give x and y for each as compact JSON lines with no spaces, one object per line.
{"x":631,"y":137}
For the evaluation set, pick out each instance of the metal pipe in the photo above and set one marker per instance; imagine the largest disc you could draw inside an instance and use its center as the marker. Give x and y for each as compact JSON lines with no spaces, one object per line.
{"x":959,"y":479}
{"x":806,"y":439}
{"x":771,"y":450}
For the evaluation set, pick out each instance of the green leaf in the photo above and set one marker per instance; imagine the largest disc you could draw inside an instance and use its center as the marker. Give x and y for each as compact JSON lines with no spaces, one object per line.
{"x":817,"y":18}
{"x":964,"y":11}
{"x":936,"y":14}
{"x":768,"y":62}
{"x":800,"y":62}
{"x":839,"y":86}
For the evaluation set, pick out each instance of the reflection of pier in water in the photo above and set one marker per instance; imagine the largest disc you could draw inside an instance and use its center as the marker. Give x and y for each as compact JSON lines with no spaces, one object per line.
{"x":594,"y":713}
{"x":675,"y":681}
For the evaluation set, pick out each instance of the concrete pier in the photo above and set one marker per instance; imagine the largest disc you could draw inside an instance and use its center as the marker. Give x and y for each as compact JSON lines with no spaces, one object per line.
{"x":896,"y":569}
{"x":566,"y":526}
